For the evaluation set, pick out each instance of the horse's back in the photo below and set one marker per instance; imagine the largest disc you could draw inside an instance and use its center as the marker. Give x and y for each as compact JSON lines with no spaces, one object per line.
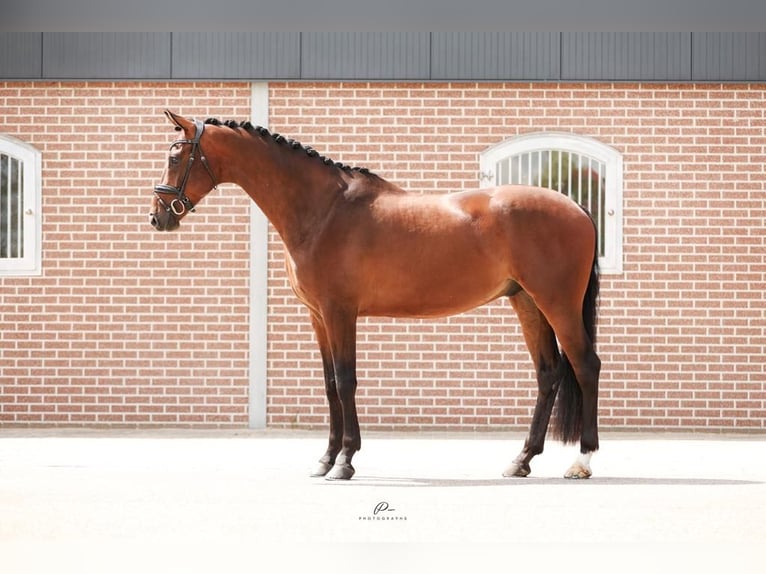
{"x":535,"y":200}
{"x":525,"y":217}
{"x":426,"y":255}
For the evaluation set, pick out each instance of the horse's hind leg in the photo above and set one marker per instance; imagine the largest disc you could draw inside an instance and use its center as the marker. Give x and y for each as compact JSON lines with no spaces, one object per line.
{"x":542,"y":346}
{"x":579,"y":391}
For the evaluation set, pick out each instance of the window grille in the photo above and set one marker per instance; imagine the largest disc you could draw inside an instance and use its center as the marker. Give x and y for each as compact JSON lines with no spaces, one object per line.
{"x":11,"y":207}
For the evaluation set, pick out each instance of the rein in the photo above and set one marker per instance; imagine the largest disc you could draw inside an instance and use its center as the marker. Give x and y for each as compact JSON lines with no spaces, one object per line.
{"x":181,"y":203}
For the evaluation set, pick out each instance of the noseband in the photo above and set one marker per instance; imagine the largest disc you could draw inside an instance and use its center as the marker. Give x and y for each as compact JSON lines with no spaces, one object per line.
{"x":180,"y":204}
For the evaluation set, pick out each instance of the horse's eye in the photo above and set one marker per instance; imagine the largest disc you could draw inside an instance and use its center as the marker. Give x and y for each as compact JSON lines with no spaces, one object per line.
{"x":172,"y":161}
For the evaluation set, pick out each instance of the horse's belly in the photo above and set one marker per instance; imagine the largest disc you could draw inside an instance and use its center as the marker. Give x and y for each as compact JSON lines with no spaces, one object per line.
{"x":426,"y":299}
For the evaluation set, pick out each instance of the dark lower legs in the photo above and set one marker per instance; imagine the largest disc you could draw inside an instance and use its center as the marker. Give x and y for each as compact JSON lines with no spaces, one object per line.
{"x":337,"y":342}
{"x":352,"y":440}
{"x":338,"y":350}
{"x":587,"y":369}
{"x":581,"y":370}
{"x":535,"y":442}
{"x":543,"y":348}
{"x":581,"y":376}
{"x":336,"y":418}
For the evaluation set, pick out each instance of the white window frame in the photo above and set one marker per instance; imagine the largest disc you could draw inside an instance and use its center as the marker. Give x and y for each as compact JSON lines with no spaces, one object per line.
{"x":31,"y":160}
{"x":611,"y":261}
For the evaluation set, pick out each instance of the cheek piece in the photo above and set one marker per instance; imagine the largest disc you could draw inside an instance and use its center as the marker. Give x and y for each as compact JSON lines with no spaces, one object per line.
{"x":180,"y":203}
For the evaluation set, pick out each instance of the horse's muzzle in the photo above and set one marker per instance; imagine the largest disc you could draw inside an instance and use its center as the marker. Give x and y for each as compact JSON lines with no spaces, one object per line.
{"x":163,"y":221}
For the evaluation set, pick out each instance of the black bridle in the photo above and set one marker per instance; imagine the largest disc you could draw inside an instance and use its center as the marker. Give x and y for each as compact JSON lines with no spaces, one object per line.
{"x":180,"y":204}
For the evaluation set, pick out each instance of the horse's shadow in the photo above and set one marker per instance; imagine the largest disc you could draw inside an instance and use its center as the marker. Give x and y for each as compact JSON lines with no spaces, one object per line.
{"x":433,"y":482}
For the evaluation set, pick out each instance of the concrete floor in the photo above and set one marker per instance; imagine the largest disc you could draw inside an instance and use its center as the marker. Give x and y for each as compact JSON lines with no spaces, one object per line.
{"x":226,"y":501}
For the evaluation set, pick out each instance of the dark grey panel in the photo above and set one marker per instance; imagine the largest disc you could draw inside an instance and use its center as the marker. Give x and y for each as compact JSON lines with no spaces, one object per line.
{"x":626,"y":56}
{"x":365,"y":55}
{"x":238,"y":55}
{"x":20,"y":55}
{"x":739,"y":56}
{"x":108,"y":55}
{"x":495,"y":56}
{"x":385,"y":56}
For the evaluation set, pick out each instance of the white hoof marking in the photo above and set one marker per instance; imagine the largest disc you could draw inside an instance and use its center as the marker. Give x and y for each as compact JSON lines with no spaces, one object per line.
{"x":581,"y":467}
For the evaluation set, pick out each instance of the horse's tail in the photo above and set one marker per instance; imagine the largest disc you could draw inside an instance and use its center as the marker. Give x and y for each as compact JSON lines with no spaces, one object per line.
{"x":568,"y":416}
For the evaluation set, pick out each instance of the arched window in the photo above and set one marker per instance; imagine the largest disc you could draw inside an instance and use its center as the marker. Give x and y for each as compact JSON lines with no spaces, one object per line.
{"x":20,"y":166}
{"x":582,"y":168}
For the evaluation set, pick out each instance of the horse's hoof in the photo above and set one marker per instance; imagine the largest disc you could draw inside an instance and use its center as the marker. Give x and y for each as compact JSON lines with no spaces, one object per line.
{"x":577,"y":471}
{"x":517,"y":469}
{"x":321,"y":469}
{"x":340,"y":472}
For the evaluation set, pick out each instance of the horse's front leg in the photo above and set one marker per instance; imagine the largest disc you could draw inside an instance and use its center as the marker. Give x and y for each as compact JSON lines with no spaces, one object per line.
{"x":336,"y":412}
{"x":341,"y":333}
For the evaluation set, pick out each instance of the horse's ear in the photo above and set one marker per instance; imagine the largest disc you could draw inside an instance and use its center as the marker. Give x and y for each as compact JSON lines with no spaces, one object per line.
{"x":179,"y":122}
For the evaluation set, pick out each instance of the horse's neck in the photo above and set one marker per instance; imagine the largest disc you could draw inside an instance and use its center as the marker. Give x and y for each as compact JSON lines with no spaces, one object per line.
{"x":293,"y":196}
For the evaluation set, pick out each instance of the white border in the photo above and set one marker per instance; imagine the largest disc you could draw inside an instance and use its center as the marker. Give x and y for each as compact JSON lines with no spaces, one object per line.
{"x":30,"y":265}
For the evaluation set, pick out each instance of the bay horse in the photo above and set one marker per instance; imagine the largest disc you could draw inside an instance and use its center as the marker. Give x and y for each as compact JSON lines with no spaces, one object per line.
{"x":357,"y":245}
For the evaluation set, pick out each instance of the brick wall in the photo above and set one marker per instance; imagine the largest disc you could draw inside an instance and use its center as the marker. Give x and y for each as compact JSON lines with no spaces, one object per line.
{"x":682,"y":330}
{"x":130,"y":327}
{"x":125,"y":326}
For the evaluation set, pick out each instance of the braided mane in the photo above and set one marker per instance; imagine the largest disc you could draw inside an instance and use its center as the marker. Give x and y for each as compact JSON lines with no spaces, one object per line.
{"x":282,"y":140}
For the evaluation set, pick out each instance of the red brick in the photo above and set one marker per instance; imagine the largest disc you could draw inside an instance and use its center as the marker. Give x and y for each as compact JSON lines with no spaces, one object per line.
{"x":682,"y":328}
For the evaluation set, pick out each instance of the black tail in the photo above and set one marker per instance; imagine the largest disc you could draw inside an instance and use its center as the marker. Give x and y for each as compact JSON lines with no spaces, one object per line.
{"x":568,"y":415}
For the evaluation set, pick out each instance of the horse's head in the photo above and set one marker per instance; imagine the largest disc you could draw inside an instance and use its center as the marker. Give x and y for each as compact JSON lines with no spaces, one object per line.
{"x":187,"y":178}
